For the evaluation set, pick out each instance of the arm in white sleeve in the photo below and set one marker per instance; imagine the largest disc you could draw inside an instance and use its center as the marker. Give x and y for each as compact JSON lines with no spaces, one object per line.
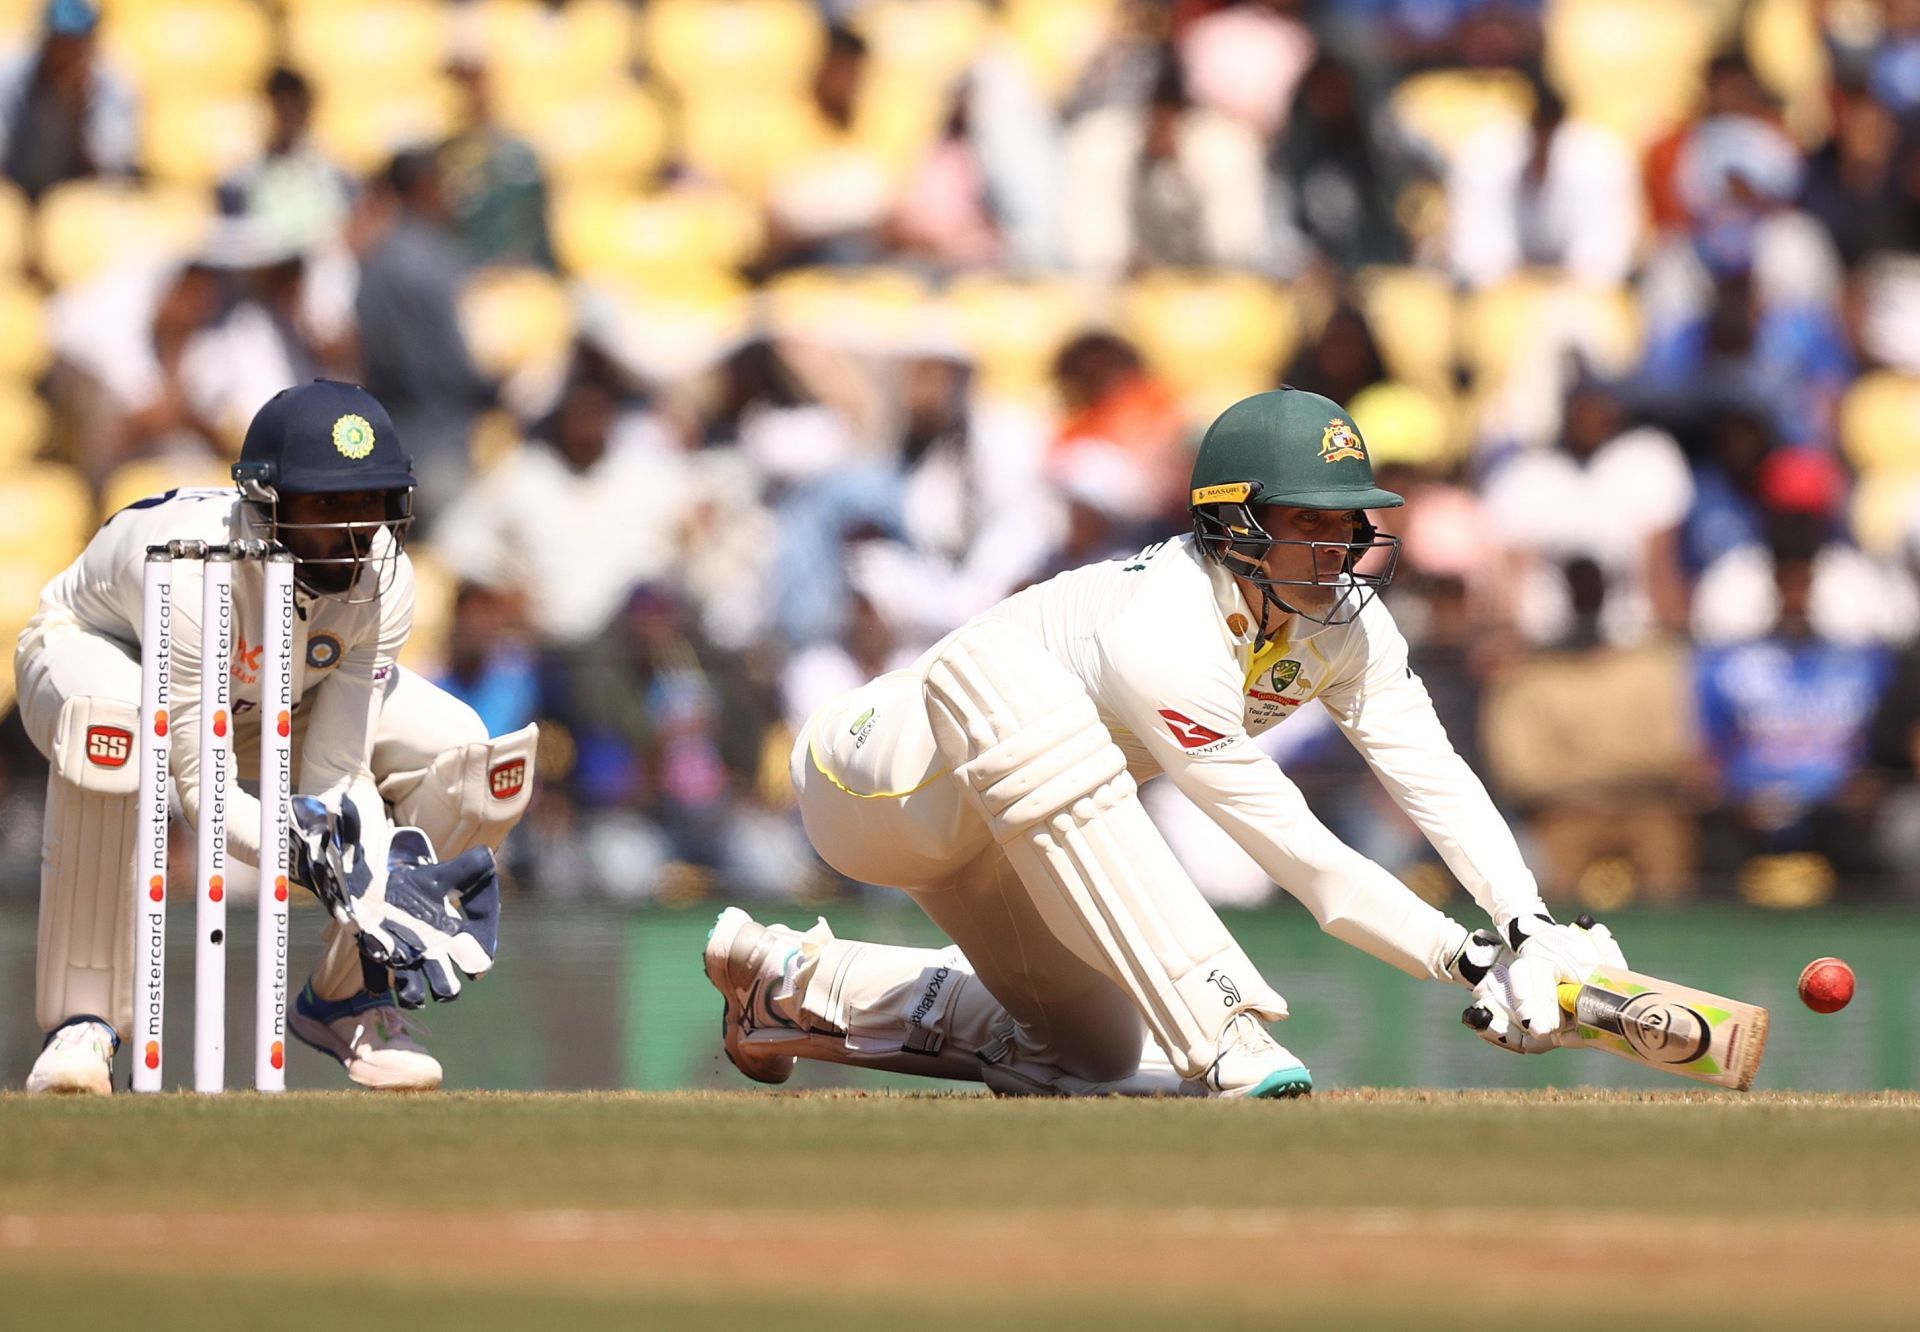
{"x":1242,"y":790}
{"x":337,"y":758}
{"x":1387,"y":714}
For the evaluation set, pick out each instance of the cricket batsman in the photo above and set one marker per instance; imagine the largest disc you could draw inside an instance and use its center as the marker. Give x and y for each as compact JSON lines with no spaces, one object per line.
{"x":322,"y":472}
{"x":994,"y":781}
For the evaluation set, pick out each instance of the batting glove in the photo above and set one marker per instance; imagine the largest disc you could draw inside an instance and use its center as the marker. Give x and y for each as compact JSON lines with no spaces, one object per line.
{"x":1554,"y":953}
{"x":1498,"y":978}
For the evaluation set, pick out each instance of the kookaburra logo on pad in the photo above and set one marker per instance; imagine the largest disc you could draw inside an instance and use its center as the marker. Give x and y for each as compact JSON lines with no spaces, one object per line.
{"x":1339,"y":441}
{"x":1227,"y":987}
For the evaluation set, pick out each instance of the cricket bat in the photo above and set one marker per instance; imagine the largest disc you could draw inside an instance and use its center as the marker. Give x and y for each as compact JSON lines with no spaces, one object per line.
{"x":1667,"y":1026}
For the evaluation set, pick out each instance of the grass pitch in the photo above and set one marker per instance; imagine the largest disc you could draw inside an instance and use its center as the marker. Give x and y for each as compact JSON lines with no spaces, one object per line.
{"x":1354,"y":1209}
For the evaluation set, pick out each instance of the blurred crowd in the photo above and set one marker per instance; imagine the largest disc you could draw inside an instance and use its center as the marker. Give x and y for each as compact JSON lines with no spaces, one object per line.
{"x":745,"y":347}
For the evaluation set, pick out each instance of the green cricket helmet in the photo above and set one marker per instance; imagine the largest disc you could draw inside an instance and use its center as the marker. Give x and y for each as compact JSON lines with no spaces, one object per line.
{"x":1297,"y":449}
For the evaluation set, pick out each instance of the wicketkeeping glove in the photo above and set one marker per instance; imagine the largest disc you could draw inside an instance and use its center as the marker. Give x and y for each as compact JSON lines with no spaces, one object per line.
{"x":443,"y":918}
{"x":421,"y":924}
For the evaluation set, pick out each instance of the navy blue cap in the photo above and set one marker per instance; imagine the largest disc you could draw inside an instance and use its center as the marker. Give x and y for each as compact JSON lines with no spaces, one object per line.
{"x":322,"y":437}
{"x":70,"y":18}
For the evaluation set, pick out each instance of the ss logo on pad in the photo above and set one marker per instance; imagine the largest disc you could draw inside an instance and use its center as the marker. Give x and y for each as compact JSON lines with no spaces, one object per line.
{"x":506,"y":780}
{"x":109,"y":746}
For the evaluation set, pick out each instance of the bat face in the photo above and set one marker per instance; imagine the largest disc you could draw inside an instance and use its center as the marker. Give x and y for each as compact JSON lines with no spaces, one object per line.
{"x":1661,"y":1032}
{"x":1667,"y":1026}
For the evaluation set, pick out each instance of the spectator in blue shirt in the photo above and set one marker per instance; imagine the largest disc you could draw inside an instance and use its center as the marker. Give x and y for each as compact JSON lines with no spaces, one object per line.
{"x":1785,"y":720}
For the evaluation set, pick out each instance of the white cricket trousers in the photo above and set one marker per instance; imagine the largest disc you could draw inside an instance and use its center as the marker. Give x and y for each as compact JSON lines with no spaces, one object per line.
{"x":880,"y":806}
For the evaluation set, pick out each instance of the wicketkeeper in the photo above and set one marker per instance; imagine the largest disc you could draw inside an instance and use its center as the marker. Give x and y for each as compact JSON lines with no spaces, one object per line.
{"x":375,"y":746}
{"x":995,"y":782}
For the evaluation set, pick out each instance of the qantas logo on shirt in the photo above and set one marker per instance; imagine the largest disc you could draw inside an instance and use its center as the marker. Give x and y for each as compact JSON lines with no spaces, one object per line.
{"x":1190,"y":733}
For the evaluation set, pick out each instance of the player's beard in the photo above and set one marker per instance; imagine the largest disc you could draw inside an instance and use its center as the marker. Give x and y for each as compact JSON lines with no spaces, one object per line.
{"x":329,"y":575}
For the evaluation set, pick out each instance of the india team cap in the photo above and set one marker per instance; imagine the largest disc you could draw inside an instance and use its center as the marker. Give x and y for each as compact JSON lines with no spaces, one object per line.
{"x":322,"y":437}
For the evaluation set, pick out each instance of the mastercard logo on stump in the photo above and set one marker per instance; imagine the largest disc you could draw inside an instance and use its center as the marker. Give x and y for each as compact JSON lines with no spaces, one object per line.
{"x":220,"y":723}
{"x":285,"y":726}
{"x":157,"y":888}
{"x":216,"y":888}
{"x":279,"y":887}
{"x":279,"y":1055}
{"x":153,"y":1054}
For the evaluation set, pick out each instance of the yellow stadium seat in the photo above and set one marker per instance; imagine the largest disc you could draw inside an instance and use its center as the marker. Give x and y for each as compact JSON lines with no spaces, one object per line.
{"x":1880,"y":423}
{"x":669,"y":324}
{"x":1412,"y":315}
{"x":49,"y":514}
{"x":23,"y":423}
{"x":1885,"y":510}
{"x":1402,"y":424}
{"x":16,"y":226}
{"x":516,"y":317}
{"x":612,"y":133}
{"x":1789,"y":54}
{"x":929,"y":42}
{"x":143,"y":478}
{"x":19,"y":20}
{"x":1443,"y":108}
{"x":1532,"y":311}
{"x":373,"y":49}
{"x":1207,"y":333}
{"x":364,"y":128}
{"x":84,"y":227}
{"x":611,"y":233}
{"x":743,"y":139}
{"x":1056,"y":38}
{"x":1014,"y":327}
{"x":870,"y":309}
{"x":899,"y":119}
{"x":720,"y":47}
{"x":24,"y":351}
{"x":202,"y":46}
{"x":534,"y":50}
{"x":434,"y":586}
{"x":190,"y":139}
{"x":1632,"y":65}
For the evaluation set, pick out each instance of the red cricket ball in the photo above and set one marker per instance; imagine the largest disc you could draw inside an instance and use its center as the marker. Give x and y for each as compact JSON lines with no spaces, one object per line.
{"x":1826,"y":986}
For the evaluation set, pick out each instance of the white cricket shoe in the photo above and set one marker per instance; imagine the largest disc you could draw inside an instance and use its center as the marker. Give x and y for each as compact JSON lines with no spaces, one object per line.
{"x":743,"y":959}
{"x":77,"y":1059}
{"x":369,"y":1036}
{"x":1253,"y":1064}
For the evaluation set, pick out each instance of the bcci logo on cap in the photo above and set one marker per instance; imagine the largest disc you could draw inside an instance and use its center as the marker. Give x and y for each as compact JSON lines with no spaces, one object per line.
{"x":353,"y":436}
{"x":109,"y":746}
{"x":506,"y":779}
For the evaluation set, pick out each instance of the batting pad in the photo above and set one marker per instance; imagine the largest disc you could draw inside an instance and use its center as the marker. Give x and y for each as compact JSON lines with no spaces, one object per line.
{"x":470,"y":795}
{"x":86,"y":865}
{"x":1028,"y":746}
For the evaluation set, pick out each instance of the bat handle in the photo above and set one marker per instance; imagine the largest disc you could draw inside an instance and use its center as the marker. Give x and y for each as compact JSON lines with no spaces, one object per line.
{"x":1569,"y":995}
{"x":1584,"y":920}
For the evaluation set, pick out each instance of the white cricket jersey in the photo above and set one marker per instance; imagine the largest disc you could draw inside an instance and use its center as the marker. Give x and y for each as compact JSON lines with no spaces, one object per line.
{"x":1164,"y":643}
{"x":343,"y":655}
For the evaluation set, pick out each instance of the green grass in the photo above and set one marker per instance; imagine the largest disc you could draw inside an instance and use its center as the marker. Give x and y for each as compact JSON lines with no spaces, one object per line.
{"x":849,"y":1211}
{"x":1687,"y":1154}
